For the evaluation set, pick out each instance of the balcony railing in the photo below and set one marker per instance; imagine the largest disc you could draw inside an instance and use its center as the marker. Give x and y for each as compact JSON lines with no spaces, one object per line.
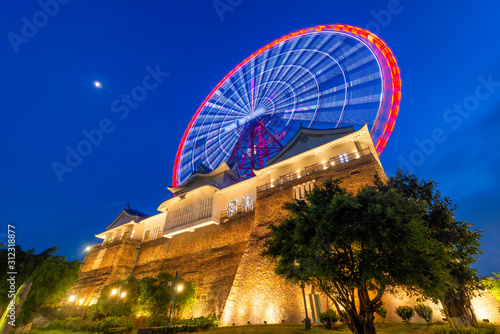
{"x":337,"y":160}
{"x":116,"y":240}
{"x":239,"y":210}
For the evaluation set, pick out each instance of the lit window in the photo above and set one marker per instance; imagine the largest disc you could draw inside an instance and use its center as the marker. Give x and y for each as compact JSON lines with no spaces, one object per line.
{"x":247,"y":203}
{"x":232,"y":208}
{"x":343,"y":158}
{"x":146,"y":236}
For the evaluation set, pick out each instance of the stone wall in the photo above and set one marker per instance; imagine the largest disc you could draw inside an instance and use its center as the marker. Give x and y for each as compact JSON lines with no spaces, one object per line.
{"x":209,"y":257}
{"x":258,"y":294}
{"x":117,"y":263}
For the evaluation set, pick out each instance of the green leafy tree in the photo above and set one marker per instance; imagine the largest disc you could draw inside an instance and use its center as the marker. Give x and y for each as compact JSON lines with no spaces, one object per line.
{"x":424,"y":312}
{"x":405,"y":313}
{"x":328,"y":318}
{"x":156,"y":295}
{"x":353,"y":247}
{"x":457,"y":238}
{"x":382,"y":312}
{"x":26,"y":262}
{"x":493,"y":285}
{"x":124,"y":302}
{"x":51,"y":279}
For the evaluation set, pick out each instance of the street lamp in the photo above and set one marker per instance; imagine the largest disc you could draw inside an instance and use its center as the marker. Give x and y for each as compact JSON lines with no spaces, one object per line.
{"x":179,"y":288}
{"x":117,"y":293}
{"x":74,"y":298}
{"x":307,"y":321}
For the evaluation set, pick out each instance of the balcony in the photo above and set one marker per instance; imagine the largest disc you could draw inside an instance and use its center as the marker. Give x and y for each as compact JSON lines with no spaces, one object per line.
{"x":190,"y":217}
{"x":337,"y":160}
{"x":110,"y":241}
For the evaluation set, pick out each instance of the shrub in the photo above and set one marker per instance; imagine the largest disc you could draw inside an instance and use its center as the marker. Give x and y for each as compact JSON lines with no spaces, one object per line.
{"x":405,"y":313}
{"x":328,"y":318}
{"x":485,"y":328}
{"x":424,"y":312}
{"x":174,"y":329}
{"x":479,"y":329}
{"x":382,"y":312}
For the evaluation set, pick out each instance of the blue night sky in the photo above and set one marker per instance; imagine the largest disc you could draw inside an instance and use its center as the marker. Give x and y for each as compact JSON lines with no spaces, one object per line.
{"x":448,"y":53}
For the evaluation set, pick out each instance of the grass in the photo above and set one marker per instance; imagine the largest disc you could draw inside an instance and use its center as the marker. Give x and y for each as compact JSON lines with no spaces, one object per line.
{"x":389,"y":328}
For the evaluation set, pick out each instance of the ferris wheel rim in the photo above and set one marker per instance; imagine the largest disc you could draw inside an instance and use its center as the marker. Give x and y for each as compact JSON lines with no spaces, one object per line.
{"x":390,"y":76}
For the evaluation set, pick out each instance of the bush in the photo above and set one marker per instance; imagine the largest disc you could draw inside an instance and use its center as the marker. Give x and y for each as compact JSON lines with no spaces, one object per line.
{"x":111,"y":322}
{"x":328,"y":318}
{"x":202,"y":322}
{"x":485,"y":328}
{"x":79,"y":325}
{"x":175,"y":329}
{"x":69,"y":324}
{"x":405,"y":313}
{"x":382,"y":312}
{"x":424,"y":312}
{"x":479,"y":329}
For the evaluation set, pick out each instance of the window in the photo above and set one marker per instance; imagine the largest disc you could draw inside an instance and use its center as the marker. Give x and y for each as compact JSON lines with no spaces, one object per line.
{"x":157,"y":232}
{"x":146,"y":236}
{"x":343,"y":158}
{"x":247,"y":203}
{"x":232,"y":208}
{"x":300,"y":191}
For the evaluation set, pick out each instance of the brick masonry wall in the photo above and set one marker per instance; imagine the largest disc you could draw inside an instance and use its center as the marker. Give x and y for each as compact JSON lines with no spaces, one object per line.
{"x":117,"y":263}
{"x":258,"y":294}
{"x":209,"y":257}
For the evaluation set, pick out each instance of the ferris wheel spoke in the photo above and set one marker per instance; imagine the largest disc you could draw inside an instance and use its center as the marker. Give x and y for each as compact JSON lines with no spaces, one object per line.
{"x":325,"y":76}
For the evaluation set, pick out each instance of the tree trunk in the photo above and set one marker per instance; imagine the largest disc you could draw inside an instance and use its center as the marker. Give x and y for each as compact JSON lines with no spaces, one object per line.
{"x":369,"y":328}
{"x":459,"y":311}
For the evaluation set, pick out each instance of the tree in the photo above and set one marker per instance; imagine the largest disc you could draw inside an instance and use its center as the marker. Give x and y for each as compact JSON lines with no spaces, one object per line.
{"x":424,"y":312}
{"x":493,"y":285}
{"x":457,"y":238}
{"x":405,"y":313}
{"x":354,"y":247}
{"x":156,"y":295}
{"x":51,"y":279}
{"x":125,"y":300}
{"x":26,"y":262}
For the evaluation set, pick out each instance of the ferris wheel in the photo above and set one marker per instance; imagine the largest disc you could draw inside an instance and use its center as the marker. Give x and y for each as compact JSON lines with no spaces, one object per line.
{"x":320,"y":77}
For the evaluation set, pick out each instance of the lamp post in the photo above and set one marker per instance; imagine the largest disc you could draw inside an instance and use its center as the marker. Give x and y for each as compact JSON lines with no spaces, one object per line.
{"x":117,"y":296}
{"x":307,"y":321}
{"x":76,"y":300}
{"x":173,"y":299}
